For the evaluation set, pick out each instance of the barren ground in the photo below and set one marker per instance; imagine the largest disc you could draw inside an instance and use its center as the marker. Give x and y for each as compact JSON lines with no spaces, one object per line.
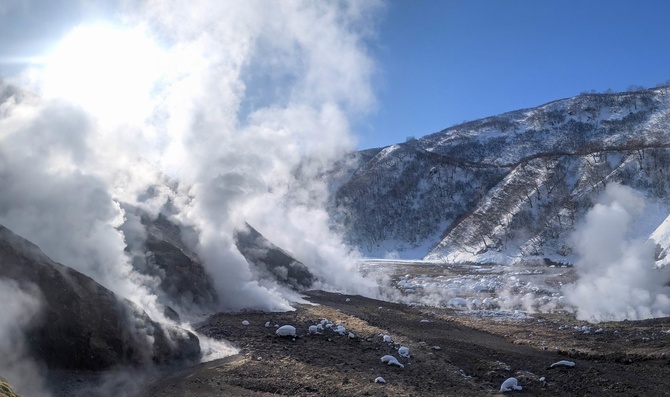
{"x":476,"y":354}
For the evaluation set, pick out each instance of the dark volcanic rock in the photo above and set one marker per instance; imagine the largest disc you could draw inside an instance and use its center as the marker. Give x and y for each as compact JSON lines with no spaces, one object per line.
{"x":83,"y":325}
{"x":161,"y":253}
{"x":269,"y":260}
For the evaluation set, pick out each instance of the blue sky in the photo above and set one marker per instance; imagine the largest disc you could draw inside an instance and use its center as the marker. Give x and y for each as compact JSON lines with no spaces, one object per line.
{"x":439,"y":63}
{"x":444,"y":62}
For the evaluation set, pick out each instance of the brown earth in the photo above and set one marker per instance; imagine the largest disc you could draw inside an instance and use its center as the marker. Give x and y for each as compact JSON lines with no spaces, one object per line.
{"x":477,"y":353}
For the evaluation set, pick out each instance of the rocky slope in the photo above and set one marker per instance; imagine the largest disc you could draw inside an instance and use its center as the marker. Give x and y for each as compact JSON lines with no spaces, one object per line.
{"x":81,"y":324}
{"x":268,"y":261}
{"x":156,"y":246}
{"x":510,"y":186}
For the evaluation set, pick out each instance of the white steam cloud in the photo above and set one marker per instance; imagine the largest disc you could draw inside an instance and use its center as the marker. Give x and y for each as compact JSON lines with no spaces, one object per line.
{"x":21,"y":308}
{"x":237,"y":142}
{"x":617,"y":275}
{"x":257,"y":101}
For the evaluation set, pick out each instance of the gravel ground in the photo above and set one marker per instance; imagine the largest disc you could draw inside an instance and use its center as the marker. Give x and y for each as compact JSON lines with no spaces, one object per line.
{"x":476,"y":354}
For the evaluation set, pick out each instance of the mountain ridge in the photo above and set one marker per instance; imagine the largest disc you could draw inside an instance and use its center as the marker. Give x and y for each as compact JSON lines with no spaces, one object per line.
{"x":516,"y":183}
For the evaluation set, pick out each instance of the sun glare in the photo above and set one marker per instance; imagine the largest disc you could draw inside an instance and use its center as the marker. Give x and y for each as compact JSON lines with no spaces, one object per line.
{"x":108,"y":71}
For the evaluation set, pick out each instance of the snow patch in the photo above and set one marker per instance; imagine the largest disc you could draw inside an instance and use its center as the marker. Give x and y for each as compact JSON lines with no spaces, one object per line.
{"x":286,"y":330}
{"x":390,"y":360}
{"x":403,"y":351}
{"x":563,"y":363}
{"x":510,"y":384}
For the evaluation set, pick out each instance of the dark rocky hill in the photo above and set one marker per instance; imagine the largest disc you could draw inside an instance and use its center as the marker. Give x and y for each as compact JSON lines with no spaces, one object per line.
{"x":269,"y":261}
{"x":83,"y":325}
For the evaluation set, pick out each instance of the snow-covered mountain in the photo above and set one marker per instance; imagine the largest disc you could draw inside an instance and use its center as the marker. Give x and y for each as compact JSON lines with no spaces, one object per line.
{"x":510,"y":186}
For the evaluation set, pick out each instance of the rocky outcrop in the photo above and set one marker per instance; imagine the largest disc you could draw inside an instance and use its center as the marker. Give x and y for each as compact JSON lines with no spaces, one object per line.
{"x":159,"y":251}
{"x":83,"y":325}
{"x":268,"y":260}
{"x":184,"y":276}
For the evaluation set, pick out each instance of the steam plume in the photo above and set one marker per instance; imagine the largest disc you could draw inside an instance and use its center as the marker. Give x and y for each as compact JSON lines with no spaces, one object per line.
{"x":254,"y":89}
{"x":20,"y":308}
{"x":617,"y":277}
{"x":237,"y":146}
{"x":258,"y":100}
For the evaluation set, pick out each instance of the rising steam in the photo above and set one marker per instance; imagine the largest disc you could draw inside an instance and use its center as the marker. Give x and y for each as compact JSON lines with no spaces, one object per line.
{"x":255,"y":89}
{"x":617,"y":276}
{"x":256,"y":101}
{"x":21,"y":306}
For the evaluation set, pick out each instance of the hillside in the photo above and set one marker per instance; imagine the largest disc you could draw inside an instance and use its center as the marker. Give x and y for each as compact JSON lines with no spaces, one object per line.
{"x":59,"y":319}
{"x":511,"y":186}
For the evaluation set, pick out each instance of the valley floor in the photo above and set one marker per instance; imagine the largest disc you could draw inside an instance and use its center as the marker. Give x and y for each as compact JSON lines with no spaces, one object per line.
{"x":476,"y":354}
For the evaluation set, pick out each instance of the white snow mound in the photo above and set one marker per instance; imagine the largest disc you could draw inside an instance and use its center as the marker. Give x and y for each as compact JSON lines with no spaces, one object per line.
{"x":403,"y":351}
{"x":245,"y":322}
{"x":457,"y":302}
{"x":286,"y":330}
{"x":390,"y":360}
{"x":313,"y":329}
{"x":563,"y":363}
{"x":510,"y":384}
{"x":379,"y":379}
